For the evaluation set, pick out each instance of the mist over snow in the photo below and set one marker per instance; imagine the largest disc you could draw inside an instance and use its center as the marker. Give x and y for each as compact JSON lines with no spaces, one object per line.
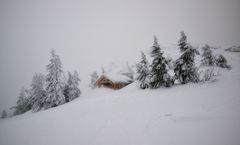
{"x":170,"y":72}
{"x":89,"y":34}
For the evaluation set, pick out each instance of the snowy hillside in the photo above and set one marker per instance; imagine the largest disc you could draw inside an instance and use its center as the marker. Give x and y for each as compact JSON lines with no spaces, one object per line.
{"x":191,"y":114}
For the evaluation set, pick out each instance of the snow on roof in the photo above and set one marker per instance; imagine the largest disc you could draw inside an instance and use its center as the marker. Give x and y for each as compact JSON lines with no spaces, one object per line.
{"x":118,"y":78}
{"x":117,"y":71}
{"x":118,"y":67}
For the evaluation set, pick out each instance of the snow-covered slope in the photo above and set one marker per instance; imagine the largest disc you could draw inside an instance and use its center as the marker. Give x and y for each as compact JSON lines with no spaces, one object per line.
{"x":191,"y":114}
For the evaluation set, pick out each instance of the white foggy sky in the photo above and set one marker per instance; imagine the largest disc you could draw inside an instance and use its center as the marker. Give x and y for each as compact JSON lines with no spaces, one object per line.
{"x":90,"y":33}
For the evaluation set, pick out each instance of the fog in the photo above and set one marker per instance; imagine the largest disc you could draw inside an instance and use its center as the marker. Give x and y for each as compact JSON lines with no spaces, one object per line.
{"x":88,"y":34}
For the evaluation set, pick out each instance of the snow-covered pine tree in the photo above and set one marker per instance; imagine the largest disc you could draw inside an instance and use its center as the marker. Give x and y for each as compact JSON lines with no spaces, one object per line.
{"x":184,"y":67}
{"x":207,"y":56}
{"x":23,"y":104}
{"x":54,"y":84}
{"x":71,"y":90}
{"x":143,"y":72}
{"x":38,"y":92}
{"x":159,"y":74}
{"x":94,"y":77}
{"x":4,"y":114}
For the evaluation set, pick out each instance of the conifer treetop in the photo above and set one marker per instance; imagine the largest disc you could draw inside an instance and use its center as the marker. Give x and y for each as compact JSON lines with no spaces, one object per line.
{"x":182,"y":43}
{"x":144,"y":59}
{"x":155,"y":41}
{"x":156,"y":50}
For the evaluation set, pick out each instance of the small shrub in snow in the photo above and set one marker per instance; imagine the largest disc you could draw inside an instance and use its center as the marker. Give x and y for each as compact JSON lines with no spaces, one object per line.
{"x":168,"y":80}
{"x":207,"y":56}
{"x":143,"y":72}
{"x":221,"y":61}
{"x":208,"y":75}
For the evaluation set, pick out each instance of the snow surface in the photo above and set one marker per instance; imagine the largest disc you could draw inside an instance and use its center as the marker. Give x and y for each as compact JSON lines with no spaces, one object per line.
{"x":191,"y":114}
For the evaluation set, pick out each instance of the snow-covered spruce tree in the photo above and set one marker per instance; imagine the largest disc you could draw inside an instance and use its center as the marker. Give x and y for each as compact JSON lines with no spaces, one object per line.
{"x":143,"y":72}
{"x":184,"y":67}
{"x":94,"y":77}
{"x":159,"y":74}
{"x":207,"y":56}
{"x":38,"y":92}
{"x":54,"y":84}
{"x":71,"y":90}
{"x":23,"y":104}
{"x":4,"y":114}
